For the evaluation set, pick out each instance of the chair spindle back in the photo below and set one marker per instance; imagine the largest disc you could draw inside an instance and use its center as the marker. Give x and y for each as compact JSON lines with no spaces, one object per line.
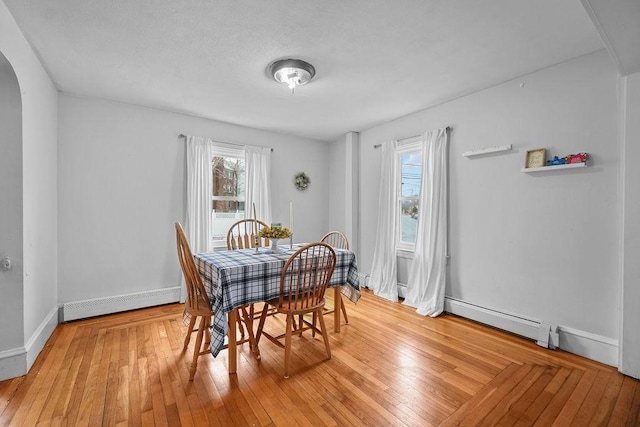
{"x":242,"y":234}
{"x":305,"y":277}
{"x":336,"y":239}
{"x":197,"y":298}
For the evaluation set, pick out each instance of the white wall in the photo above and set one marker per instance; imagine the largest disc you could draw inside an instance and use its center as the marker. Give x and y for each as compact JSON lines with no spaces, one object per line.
{"x":40,"y":198}
{"x":122,"y":186}
{"x":38,"y":261}
{"x":630,"y":348}
{"x":344,"y":201}
{"x":545,"y":246}
{"x":337,"y":166}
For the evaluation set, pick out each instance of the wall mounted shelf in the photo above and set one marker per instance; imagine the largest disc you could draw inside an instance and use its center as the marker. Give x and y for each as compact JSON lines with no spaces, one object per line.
{"x":554,"y":168}
{"x":487,"y":150}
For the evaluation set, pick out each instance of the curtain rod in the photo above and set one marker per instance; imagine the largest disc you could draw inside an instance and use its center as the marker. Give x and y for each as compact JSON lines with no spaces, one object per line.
{"x":182,"y":135}
{"x":448,"y":128}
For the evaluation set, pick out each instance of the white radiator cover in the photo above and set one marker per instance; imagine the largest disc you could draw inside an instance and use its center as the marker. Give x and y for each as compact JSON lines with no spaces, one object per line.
{"x":364,"y":280}
{"x":591,"y":346}
{"x":114,"y":304}
{"x":594,"y":347}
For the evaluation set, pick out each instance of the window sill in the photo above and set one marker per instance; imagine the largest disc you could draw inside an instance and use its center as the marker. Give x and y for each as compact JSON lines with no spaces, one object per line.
{"x":404,"y":253}
{"x":219,"y":246}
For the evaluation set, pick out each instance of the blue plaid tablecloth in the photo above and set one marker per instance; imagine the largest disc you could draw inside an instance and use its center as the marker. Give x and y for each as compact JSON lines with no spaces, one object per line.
{"x":240,"y":277}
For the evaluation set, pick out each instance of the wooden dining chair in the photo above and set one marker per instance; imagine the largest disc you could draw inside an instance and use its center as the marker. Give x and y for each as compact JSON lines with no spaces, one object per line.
{"x":303,"y":282}
{"x":242,"y":234}
{"x":198,"y":305}
{"x":337,"y":240}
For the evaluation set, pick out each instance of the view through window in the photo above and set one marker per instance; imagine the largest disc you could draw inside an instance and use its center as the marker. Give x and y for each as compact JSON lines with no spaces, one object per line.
{"x":228,"y":198}
{"x":410,"y":158}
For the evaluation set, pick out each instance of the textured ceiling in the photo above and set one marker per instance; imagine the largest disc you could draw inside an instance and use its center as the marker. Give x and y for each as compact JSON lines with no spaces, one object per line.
{"x":375,"y":60}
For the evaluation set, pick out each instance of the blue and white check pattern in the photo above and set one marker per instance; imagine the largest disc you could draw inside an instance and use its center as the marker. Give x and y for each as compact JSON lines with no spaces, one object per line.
{"x":240,"y":277}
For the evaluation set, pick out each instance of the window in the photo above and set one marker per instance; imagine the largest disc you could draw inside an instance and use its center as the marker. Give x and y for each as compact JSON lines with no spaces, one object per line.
{"x":228,"y":198}
{"x":409,"y":157}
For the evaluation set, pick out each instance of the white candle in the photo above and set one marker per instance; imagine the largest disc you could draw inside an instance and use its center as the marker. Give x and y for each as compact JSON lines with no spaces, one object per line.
{"x":255,"y":223}
{"x":291,"y":216}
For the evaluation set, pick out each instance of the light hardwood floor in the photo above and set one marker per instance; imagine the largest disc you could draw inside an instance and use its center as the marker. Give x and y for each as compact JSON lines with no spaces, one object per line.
{"x":389,"y":367}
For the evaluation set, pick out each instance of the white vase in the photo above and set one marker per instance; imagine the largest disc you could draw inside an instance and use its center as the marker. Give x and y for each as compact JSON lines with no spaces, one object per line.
{"x":274,"y":246}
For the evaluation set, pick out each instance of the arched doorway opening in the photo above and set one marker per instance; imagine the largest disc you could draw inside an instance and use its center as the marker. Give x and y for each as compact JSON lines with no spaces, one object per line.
{"x":11,"y":221}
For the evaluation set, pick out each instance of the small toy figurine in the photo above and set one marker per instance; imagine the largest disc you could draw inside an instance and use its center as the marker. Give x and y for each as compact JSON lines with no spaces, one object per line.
{"x":556,"y":161}
{"x":576,"y":158}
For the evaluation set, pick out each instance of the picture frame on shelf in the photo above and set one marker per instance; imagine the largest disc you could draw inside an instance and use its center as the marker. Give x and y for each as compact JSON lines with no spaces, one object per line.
{"x":536,"y":158}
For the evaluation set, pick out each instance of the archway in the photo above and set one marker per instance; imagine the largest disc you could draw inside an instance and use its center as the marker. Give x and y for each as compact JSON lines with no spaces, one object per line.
{"x":11,"y":221}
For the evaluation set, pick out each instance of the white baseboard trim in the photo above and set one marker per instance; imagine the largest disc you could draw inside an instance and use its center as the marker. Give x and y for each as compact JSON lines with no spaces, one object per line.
{"x":13,"y":363}
{"x":594,"y":347}
{"x":16,"y":362}
{"x":114,"y":304}
{"x":39,"y":338}
{"x":508,"y":322}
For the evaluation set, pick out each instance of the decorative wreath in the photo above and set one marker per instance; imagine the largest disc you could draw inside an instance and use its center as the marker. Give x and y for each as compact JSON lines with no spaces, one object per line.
{"x":302,"y":181}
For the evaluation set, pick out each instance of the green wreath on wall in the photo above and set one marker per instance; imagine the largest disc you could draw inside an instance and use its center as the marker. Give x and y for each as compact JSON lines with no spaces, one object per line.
{"x":302,"y":181}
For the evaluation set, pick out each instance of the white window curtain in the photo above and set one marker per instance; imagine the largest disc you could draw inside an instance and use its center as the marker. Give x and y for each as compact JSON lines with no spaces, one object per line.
{"x":199,"y":191}
{"x":427,"y":275}
{"x":258,"y":178}
{"x":384,"y":280}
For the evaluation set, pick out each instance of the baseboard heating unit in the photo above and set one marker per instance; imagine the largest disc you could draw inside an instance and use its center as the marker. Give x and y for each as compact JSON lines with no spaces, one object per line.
{"x":114,"y":304}
{"x":595,"y":347}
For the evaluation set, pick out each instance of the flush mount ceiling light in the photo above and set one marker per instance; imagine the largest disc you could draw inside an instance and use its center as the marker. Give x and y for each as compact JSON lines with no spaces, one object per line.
{"x":292,"y":72}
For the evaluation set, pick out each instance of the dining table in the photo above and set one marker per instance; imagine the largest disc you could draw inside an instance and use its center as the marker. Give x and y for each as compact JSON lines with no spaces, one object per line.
{"x":236,"y":278}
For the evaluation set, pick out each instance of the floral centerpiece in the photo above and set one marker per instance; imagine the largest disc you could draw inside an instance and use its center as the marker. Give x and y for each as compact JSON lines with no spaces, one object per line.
{"x":275,"y":233}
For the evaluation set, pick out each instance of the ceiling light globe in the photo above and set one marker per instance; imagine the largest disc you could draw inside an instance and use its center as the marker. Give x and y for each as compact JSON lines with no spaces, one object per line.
{"x":292,"y":72}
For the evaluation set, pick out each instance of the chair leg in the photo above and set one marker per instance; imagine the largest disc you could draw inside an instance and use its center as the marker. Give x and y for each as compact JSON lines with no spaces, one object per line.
{"x":344,"y":311}
{"x":323,"y":328}
{"x":247,"y":318}
{"x":207,"y":333}
{"x":240,"y":327}
{"x":192,"y":323}
{"x":206,"y":342}
{"x":198,"y":348}
{"x":263,"y":316}
{"x":313,"y":321}
{"x":287,"y":345}
{"x":301,"y":322}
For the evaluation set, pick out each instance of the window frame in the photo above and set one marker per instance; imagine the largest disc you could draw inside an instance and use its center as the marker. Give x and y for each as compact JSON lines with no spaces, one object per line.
{"x":407,"y":146}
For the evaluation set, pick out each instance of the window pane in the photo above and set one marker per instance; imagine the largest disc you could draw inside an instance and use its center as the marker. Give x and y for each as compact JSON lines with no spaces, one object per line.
{"x":411,"y":173}
{"x":228,"y":177}
{"x":408,"y":220}
{"x":228,"y":195}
